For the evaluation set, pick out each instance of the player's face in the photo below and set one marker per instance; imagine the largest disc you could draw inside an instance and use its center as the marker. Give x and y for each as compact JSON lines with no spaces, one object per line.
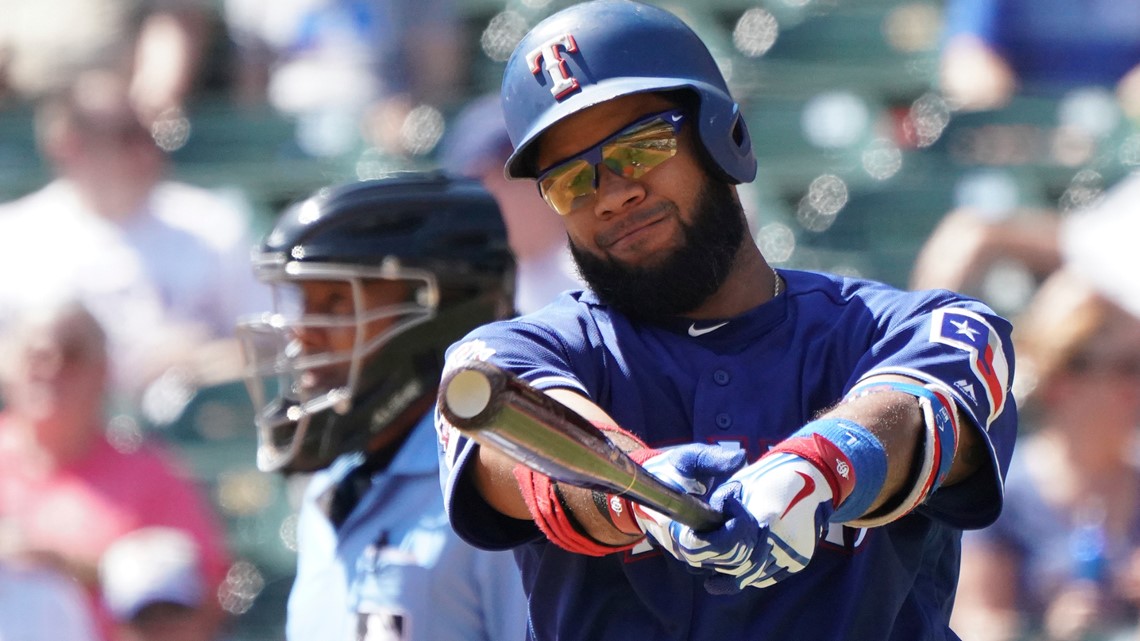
{"x":659,"y":245}
{"x":636,"y":221}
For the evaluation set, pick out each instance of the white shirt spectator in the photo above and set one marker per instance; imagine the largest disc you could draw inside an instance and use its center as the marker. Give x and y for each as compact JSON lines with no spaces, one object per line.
{"x":168,"y":277}
{"x":1100,"y":243}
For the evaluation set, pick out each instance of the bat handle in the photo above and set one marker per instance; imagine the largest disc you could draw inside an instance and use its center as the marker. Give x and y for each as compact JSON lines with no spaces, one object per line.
{"x":697,"y":514}
{"x":544,"y":435}
{"x":677,"y":505}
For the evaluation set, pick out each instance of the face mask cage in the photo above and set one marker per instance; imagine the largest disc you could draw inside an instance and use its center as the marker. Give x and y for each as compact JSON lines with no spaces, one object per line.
{"x":301,"y":363}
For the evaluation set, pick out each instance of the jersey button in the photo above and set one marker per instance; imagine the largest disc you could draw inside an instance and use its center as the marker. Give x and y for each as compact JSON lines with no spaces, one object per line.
{"x":723,"y":421}
{"x":721,"y":377}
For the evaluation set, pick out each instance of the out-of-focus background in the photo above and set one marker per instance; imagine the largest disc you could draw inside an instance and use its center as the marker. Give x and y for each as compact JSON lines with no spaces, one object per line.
{"x":860,"y":152}
{"x":864,"y":145}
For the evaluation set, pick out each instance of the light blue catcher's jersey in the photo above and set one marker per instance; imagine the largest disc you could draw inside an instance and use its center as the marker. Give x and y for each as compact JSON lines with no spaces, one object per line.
{"x":750,"y":381}
{"x":394,"y":570}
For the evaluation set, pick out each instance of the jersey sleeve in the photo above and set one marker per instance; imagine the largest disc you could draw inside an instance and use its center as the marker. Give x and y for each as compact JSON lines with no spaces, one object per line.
{"x":540,"y":354}
{"x":963,"y":346}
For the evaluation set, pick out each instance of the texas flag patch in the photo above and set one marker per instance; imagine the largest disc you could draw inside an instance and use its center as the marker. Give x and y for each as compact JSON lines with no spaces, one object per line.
{"x":968,"y":331}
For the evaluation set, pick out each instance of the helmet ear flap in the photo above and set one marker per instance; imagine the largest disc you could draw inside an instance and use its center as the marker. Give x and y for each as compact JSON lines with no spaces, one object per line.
{"x":740,"y":165}
{"x":724,"y":150}
{"x":740,"y":135}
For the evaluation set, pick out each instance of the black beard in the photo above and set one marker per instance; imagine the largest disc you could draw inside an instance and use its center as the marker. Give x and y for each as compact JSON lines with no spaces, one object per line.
{"x":686,"y":278}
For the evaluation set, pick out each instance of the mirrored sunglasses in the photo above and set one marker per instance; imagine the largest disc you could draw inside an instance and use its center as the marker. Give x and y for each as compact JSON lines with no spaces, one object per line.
{"x":630,"y":153}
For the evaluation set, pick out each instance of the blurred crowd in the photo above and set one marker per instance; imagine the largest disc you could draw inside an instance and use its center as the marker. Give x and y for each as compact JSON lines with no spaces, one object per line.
{"x":993,"y":149}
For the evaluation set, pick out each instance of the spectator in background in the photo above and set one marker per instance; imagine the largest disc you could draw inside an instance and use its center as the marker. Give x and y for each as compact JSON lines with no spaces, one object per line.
{"x":1100,"y":243}
{"x":477,"y":146}
{"x":157,"y":44}
{"x":154,"y":585}
{"x":1062,"y":562}
{"x":966,"y":244}
{"x":996,"y":49}
{"x":349,"y":69}
{"x":41,"y":604}
{"x":162,"y":264}
{"x":68,"y":487}
{"x":1096,"y":242}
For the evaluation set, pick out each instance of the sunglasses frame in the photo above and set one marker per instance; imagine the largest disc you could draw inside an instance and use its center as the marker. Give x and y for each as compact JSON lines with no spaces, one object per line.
{"x":594,"y":155}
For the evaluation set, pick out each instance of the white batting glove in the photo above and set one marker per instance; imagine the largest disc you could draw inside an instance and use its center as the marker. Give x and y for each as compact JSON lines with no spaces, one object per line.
{"x":777,"y":509}
{"x":791,"y":501}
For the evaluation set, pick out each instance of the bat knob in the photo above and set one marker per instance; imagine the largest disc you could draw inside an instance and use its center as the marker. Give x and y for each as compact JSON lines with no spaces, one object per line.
{"x":467,"y":393}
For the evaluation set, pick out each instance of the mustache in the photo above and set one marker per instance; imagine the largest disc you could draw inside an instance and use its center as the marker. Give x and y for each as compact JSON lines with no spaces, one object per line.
{"x":632,"y":222}
{"x":684,"y":278}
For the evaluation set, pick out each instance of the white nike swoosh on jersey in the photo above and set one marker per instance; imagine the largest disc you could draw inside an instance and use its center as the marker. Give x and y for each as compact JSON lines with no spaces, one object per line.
{"x":676,"y":117}
{"x":693,"y":331}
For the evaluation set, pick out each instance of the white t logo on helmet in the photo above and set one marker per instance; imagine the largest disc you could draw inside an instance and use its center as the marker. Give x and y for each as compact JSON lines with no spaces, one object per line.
{"x":562,"y":83}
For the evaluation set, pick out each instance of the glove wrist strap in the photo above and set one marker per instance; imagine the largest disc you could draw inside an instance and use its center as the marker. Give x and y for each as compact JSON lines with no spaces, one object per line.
{"x":849,"y":456}
{"x":619,"y":511}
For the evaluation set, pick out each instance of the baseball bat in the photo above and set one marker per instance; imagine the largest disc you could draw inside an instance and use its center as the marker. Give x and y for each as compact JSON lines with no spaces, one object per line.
{"x":497,"y":409}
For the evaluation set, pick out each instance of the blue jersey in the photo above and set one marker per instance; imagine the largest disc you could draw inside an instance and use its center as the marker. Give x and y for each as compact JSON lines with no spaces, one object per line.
{"x":394,"y":570}
{"x":752,"y":381}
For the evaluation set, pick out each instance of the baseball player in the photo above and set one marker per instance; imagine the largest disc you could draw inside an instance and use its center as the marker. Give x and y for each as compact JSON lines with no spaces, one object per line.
{"x":372,"y":281}
{"x":848,"y":431}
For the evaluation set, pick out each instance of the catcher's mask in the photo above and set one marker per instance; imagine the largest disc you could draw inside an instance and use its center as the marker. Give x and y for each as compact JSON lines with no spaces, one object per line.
{"x":371,"y":281}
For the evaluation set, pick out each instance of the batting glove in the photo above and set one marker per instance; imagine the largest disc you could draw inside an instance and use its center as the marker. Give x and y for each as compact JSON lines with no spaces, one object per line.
{"x":790,"y":502}
{"x":776,"y":511}
{"x":694,"y":468}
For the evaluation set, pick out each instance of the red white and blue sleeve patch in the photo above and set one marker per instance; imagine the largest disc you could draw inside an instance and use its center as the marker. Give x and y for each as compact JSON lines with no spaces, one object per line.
{"x":969,"y":331}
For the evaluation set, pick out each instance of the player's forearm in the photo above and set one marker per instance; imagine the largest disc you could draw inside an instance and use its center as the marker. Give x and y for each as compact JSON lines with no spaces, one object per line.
{"x":581,"y":503}
{"x":896,"y":419}
{"x":494,"y":475}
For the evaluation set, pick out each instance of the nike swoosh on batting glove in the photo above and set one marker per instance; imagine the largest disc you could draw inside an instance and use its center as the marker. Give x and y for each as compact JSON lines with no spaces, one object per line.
{"x":777,"y":509}
{"x":791,"y":501}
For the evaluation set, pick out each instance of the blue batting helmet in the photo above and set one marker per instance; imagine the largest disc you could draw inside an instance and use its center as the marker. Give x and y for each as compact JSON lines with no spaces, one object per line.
{"x":597,"y":51}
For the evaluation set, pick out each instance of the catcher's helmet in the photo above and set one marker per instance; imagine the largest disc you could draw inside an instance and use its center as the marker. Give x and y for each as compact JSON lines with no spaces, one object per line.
{"x":438,"y":246}
{"x":596,"y":51}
